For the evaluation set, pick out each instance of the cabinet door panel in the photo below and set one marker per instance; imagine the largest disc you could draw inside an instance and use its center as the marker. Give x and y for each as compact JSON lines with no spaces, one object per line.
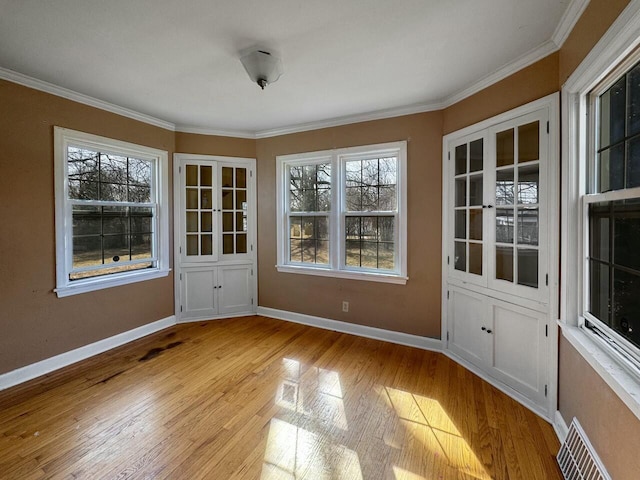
{"x":236,"y":292}
{"x":468,"y":316}
{"x":519,"y":350}
{"x":198,"y":294}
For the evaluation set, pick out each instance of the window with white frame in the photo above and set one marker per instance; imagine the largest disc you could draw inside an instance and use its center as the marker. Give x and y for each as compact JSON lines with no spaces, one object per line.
{"x":612,"y":213}
{"x":111,"y":212}
{"x":342,"y":213}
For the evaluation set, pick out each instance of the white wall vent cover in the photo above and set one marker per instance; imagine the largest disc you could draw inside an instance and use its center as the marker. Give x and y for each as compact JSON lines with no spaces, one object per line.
{"x":577,"y":458}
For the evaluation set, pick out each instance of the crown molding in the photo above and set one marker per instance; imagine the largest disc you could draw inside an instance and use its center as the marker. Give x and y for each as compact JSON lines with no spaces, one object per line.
{"x":27,"y":81}
{"x":216,"y":131}
{"x":349,"y":119}
{"x":571,"y":16}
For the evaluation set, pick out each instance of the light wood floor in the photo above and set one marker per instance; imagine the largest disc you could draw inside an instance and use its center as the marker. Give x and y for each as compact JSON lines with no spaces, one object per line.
{"x":256,"y":398}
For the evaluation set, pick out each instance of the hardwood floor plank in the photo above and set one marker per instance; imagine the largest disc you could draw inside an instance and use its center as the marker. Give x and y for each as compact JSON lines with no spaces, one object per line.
{"x":254,"y":397}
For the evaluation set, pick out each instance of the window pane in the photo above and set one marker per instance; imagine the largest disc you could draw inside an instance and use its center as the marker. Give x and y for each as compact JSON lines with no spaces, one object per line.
{"x":504,"y":263}
{"x":295,"y":250}
{"x":504,"y":225}
{"x":116,"y":248}
{"x":141,"y":246}
{"x":227,"y":200}
{"x":322,"y":252}
{"x":87,"y":251}
{"x":388,"y":173}
{"x":113,"y":177}
{"x":139,"y":194}
{"x":83,"y":173}
{"x":599,"y":221}
{"x":140,"y":220}
{"x":613,"y":114}
{"x":627,"y":234}
{"x":633,"y":101}
{"x":461,"y":159}
{"x":528,"y":226}
{"x":87,"y":220}
{"x":295,"y":227}
{"x":528,"y":142}
{"x":504,"y":148}
{"x":241,"y":224}
{"x":460,"y":224}
{"x":528,"y":184}
{"x":352,"y":253}
{"x":387,"y":198}
{"x":354,"y":199}
{"x":611,"y":168}
{"x":633,"y":163}
{"x":504,"y":187}
{"x":241,"y":199}
{"x":476,"y":155}
{"x":386,"y":256}
{"x":140,"y":172}
{"x":227,"y":244}
{"x":626,"y":305}
{"x":460,"y":256}
{"x":369,"y":255}
{"x":599,"y":291}
{"x":115,"y":220}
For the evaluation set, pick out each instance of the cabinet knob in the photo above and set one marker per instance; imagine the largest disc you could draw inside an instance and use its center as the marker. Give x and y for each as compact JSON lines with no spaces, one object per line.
{"x":483,"y":328}
{"x":220,"y":287}
{"x":488,"y":331}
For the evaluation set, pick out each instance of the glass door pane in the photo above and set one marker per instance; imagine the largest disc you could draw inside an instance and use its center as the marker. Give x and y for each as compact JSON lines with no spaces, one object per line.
{"x":468,"y":208}
{"x":233,"y":197}
{"x":198,"y":211}
{"x":517,"y":194}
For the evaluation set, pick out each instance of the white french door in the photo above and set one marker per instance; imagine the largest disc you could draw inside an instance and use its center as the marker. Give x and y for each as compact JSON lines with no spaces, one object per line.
{"x":497,"y":213}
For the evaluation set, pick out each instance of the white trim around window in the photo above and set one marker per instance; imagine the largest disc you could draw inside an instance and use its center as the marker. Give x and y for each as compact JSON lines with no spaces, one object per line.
{"x":335,"y":212}
{"x":157,"y":203}
{"x":606,"y":59}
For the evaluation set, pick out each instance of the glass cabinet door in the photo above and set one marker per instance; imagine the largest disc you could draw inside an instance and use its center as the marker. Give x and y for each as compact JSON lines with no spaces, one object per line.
{"x":233,"y":200}
{"x":199,"y":211}
{"x":468,"y":209}
{"x":517,"y":195}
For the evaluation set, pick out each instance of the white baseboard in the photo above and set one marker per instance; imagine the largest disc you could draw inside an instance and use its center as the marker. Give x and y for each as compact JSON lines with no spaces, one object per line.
{"x":425,"y":343}
{"x":560,"y":426}
{"x":48,"y":365}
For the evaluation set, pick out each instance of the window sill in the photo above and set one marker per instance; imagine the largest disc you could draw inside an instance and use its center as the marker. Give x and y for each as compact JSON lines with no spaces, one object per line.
{"x":367,"y":276}
{"x":620,"y":377}
{"x":99,"y":284}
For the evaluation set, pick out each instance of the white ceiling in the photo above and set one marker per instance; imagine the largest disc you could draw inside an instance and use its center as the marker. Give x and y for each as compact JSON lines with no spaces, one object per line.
{"x":178,"y":60}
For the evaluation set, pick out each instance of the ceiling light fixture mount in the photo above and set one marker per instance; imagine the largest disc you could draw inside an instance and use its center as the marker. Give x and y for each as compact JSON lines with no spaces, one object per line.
{"x":263,"y":67}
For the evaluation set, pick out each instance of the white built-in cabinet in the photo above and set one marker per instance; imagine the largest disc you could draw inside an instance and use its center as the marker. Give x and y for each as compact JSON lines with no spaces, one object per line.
{"x":499,"y":248}
{"x":215,"y":225}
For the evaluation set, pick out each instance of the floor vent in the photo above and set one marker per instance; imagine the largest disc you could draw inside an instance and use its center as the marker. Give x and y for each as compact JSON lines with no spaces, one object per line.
{"x":577,"y":458}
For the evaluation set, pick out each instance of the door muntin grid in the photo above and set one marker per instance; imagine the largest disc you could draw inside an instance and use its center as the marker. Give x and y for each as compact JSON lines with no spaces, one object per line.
{"x":199,"y":207}
{"x":233,"y":201}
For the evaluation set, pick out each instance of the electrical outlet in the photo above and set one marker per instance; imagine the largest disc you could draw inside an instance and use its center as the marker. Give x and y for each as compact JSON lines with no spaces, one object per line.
{"x":345,"y":306}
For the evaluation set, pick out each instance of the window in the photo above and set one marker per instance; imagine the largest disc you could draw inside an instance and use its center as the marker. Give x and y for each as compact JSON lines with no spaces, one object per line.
{"x":111,"y":212}
{"x":612,"y":207}
{"x":342,"y":213}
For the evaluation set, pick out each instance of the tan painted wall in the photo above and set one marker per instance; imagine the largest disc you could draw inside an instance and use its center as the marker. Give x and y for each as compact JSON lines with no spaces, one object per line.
{"x":412,"y":308}
{"x":592,"y":25}
{"x":612,"y":428}
{"x":34,"y":323}
{"x":531,"y":83}
{"x":215,"y":145}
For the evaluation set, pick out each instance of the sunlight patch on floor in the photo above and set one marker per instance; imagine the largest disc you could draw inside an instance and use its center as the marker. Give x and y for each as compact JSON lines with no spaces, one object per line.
{"x":312,"y":391}
{"x":423,"y":419}
{"x":295,"y":453}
